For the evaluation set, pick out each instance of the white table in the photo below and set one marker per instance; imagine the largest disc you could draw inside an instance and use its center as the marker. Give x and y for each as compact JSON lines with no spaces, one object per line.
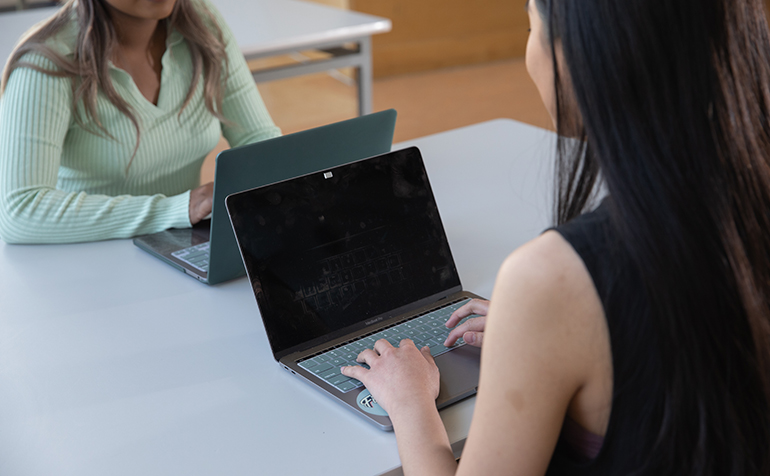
{"x":112,"y":362}
{"x":266,"y":28}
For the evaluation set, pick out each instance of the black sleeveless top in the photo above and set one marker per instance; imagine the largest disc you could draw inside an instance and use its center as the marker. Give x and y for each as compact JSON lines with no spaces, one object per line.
{"x":637,"y":400}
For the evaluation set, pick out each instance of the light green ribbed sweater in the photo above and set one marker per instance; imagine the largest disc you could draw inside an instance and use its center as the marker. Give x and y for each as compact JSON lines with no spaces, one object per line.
{"x":60,"y":182}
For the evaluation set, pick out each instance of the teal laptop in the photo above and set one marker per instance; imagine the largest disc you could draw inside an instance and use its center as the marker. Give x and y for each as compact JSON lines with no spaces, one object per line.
{"x":208,"y":251}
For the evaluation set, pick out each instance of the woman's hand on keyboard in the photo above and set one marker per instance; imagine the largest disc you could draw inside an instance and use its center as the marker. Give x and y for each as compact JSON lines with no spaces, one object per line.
{"x":472,"y":330}
{"x":401,"y":379}
{"x":201,"y":200}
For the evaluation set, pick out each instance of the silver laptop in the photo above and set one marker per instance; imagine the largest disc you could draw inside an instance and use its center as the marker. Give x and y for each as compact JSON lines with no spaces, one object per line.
{"x":345,"y":256}
{"x":208,"y":251}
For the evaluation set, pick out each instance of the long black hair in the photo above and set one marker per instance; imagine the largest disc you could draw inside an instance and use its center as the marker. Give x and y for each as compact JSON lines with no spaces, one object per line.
{"x":673,"y":101}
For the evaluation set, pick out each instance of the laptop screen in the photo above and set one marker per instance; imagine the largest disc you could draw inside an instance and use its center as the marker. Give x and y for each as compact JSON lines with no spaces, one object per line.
{"x":335,"y":248}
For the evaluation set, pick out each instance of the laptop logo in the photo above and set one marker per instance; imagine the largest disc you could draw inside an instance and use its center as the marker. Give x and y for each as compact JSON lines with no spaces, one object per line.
{"x":373,"y":321}
{"x":368,"y":401}
{"x":328,"y":175}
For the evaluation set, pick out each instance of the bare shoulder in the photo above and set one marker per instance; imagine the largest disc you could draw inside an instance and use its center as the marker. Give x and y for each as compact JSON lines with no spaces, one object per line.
{"x":549,"y":274}
{"x":548,"y":253}
{"x":544,"y":294}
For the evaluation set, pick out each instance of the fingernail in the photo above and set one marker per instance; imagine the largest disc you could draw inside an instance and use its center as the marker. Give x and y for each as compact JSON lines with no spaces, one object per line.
{"x":470,"y":337}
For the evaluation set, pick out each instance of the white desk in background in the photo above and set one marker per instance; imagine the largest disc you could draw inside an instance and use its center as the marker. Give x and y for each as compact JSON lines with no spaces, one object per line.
{"x":112,"y":362}
{"x":267,"y":28}
{"x":14,"y":24}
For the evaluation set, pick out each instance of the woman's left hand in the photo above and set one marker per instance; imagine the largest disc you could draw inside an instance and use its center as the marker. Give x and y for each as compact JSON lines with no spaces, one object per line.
{"x":201,"y":202}
{"x":399,"y":378}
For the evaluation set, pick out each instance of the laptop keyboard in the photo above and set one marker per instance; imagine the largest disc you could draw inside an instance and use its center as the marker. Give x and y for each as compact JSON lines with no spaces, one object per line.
{"x":427,"y":329}
{"x":196,"y":256}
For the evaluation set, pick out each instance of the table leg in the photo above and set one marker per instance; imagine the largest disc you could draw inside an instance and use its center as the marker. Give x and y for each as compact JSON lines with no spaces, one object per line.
{"x":341,"y":56}
{"x":365,"y":77}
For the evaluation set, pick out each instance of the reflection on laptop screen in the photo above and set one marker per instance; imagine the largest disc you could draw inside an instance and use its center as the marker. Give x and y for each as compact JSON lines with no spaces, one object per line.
{"x":335,"y":248}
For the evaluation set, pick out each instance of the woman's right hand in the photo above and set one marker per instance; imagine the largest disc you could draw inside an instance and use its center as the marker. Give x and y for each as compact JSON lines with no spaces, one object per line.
{"x":201,"y":201}
{"x":472,"y":330}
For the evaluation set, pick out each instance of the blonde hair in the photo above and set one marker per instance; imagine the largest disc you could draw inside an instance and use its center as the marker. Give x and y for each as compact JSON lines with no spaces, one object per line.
{"x":96,"y":41}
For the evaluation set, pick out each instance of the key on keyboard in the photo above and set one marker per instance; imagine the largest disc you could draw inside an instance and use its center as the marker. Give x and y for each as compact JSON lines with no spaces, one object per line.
{"x":196,"y":256}
{"x":425,"y":330}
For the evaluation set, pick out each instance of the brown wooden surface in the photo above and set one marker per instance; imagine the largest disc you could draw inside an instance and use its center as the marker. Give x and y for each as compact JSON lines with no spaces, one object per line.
{"x":432,"y":34}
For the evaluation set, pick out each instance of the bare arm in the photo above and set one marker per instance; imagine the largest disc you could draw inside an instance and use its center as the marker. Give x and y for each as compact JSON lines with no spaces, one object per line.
{"x":539,"y":347}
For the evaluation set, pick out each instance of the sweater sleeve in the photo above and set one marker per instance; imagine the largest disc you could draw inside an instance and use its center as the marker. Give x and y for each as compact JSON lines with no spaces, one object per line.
{"x":242,"y":104}
{"x":35,"y":114}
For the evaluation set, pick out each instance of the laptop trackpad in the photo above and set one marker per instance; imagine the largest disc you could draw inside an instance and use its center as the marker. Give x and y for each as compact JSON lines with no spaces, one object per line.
{"x":459,"y":374}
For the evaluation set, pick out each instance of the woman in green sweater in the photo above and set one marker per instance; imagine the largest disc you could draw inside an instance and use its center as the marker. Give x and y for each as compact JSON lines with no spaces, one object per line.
{"x":107,"y":112}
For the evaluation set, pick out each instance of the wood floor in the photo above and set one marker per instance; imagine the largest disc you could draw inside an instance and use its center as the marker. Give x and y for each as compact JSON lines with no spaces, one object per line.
{"x":427,"y":103}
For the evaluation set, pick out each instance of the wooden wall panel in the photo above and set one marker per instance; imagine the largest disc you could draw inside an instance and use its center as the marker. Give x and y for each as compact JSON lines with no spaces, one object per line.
{"x":430,"y":34}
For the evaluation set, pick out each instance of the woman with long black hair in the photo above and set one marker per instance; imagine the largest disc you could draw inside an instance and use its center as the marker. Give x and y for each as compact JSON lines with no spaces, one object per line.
{"x":634,"y":338}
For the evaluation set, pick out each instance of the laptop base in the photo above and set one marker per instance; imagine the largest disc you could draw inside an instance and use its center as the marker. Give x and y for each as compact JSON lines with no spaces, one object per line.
{"x":163,"y":244}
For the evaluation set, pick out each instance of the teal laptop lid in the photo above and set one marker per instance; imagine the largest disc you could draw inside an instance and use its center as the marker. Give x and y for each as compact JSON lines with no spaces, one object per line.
{"x":262,"y":163}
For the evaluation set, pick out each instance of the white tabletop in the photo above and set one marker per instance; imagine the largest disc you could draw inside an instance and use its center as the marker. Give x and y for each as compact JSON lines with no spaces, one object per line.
{"x":260,"y":27}
{"x":265,"y":26}
{"x":112,"y":362}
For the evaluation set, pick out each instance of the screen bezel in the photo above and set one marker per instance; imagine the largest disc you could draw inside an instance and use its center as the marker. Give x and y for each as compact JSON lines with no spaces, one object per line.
{"x":370,"y":321}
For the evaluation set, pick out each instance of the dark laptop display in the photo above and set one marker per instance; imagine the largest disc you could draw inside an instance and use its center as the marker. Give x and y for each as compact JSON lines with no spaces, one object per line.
{"x":348,"y":255}
{"x":331,"y":250}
